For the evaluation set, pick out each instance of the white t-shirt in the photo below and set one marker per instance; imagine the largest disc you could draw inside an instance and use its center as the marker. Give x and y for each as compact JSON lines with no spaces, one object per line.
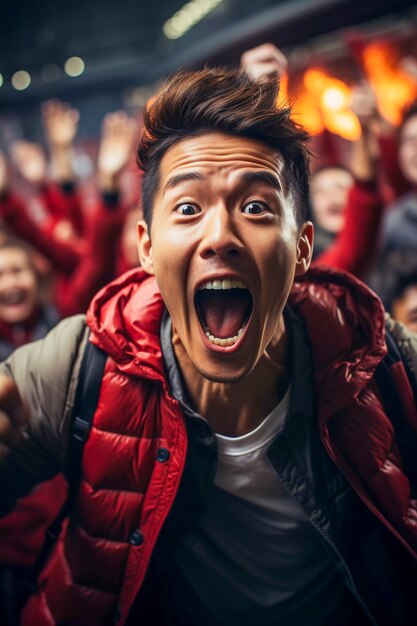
{"x":243,"y":468}
{"x":254,"y":557}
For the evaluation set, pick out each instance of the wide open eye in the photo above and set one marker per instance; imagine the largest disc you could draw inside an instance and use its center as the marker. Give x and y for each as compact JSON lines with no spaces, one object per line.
{"x":254,"y":208}
{"x":187,"y":209}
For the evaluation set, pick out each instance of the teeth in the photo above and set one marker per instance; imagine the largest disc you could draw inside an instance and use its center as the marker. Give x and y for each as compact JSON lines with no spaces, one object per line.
{"x":229,"y":341}
{"x":227,"y":283}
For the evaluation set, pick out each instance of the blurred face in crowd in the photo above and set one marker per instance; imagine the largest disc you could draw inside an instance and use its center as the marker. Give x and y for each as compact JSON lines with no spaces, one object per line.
{"x":129,"y":241}
{"x":18,"y":286}
{"x":224,"y":247}
{"x":407,"y":153}
{"x":404,"y":308}
{"x":329,"y":193}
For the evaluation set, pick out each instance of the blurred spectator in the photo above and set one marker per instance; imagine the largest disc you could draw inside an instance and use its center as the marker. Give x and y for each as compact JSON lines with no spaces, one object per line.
{"x":128,"y":256}
{"x":329,"y":192}
{"x":23,"y":317}
{"x":400,"y":227}
{"x":354,"y":247}
{"x":395,"y":280}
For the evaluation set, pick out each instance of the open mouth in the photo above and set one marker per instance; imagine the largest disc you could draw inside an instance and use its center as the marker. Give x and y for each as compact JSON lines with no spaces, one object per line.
{"x":13,"y":298}
{"x":336,"y":210}
{"x":223,"y":307}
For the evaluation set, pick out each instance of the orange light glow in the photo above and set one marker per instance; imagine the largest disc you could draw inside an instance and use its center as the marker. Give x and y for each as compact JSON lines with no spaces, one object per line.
{"x":306,"y":113}
{"x":343,"y":123}
{"x":394,"y":89}
{"x":323,"y":101}
{"x":315,"y":81}
{"x":335,"y":97}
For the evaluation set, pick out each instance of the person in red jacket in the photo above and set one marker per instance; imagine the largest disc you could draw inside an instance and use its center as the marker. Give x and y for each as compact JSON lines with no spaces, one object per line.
{"x":241,"y":464}
{"x":347,"y":204}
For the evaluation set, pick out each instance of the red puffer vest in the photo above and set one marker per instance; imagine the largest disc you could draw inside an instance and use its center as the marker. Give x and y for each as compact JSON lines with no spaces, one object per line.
{"x":134,"y":457}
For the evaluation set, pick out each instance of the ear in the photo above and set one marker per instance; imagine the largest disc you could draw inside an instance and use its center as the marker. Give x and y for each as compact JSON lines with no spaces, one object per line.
{"x":145,"y":247}
{"x":304,"y":248}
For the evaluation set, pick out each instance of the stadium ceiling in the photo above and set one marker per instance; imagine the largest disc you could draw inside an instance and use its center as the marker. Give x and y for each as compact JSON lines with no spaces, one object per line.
{"x":123,"y":42}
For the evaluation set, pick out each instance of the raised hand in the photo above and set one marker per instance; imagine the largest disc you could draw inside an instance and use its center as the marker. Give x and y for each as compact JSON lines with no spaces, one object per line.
{"x":117,"y":137}
{"x":365,"y":152}
{"x":264,"y":63}
{"x":364,"y":104}
{"x":29,"y":159}
{"x":408,"y":65}
{"x":14,"y":415}
{"x":60,"y":122}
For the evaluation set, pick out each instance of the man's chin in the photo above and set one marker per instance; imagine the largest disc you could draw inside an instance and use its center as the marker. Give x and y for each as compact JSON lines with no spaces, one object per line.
{"x":224,"y":378}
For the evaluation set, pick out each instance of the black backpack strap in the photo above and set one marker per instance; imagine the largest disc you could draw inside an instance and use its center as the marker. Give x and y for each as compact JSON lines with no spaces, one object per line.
{"x":86,"y":398}
{"x":405,"y":435}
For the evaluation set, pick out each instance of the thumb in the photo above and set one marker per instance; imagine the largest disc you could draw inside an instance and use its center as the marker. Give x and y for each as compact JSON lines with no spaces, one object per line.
{"x":14,"y":414}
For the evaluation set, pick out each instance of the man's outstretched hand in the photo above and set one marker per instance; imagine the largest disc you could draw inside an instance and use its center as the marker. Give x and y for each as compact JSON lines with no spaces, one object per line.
{"x":14,"y":415}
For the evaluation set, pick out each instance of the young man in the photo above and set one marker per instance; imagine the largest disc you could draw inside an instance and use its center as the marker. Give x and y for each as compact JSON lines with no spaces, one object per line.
{"x":240,"y":468}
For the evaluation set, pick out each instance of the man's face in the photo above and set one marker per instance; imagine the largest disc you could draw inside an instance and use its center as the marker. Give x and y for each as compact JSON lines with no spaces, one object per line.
{"x":407,"y":153}
{"x":329,"y":193}
{"x":18,"y":286}
{"x":224,"y":248}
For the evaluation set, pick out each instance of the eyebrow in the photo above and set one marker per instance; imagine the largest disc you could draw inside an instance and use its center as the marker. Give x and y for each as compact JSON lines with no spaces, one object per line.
{"x":261,"y":177}
{"x":180,"y":178}
{"x":246,"y":177}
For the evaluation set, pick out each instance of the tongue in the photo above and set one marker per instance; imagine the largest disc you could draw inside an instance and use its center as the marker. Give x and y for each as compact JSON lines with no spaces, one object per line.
{"x":224,"y":310}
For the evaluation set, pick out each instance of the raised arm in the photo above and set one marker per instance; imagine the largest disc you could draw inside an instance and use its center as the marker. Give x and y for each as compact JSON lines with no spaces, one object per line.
{"x":105,"y":224}
{"x":355,"y":246}
{"x":61,"y":122}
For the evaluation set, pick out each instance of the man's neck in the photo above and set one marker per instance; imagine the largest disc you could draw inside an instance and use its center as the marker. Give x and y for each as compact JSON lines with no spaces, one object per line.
{"x":233,"y":409}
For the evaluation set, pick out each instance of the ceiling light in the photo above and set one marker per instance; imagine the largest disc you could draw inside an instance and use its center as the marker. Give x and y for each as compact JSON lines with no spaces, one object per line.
{"x":189,"y":14}
{"x":21,"y":80}
{"x":74,"y":66}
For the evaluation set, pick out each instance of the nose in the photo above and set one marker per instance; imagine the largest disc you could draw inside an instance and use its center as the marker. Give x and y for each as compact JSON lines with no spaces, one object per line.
{"x":7,"y":280}
{"x":220,"y":236}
